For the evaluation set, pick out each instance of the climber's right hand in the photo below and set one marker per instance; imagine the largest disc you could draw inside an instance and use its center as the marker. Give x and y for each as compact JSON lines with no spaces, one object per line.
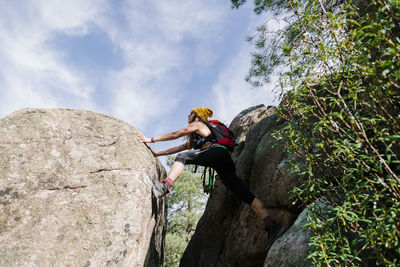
{"x":144,"y":138}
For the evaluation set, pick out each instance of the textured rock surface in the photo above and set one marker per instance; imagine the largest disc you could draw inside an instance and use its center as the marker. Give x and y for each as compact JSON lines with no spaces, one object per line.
{"x":291,"y":249}
{"x":75,"y":191}
{"x":229,"y":233}
{"x":242,"y":123}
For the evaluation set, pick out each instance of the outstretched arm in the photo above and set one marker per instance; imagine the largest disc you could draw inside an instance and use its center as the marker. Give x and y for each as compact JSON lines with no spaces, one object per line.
{"x":169,"y":151}
{"x":192,"y":127}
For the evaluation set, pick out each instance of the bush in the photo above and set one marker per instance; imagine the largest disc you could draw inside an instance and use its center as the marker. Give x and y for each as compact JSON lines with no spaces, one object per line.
{"x":343,"y":107}
{"x":341,"y":97}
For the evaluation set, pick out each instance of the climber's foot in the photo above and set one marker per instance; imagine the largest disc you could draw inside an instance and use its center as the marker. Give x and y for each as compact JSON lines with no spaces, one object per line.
{"x":159,"y":189}
{"x":275,"y":231}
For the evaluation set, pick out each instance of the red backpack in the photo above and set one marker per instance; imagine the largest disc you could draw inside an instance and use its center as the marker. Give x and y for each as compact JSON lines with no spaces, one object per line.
{"x":222,"y":134}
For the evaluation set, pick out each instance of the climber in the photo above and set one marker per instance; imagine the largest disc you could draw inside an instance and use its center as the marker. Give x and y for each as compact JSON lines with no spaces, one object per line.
{"x":203,"y":150}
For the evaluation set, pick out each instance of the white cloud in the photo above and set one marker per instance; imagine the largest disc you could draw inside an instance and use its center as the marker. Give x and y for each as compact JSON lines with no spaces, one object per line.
{"x":34,"y":74}
{"x":233,"y":94}
{"x":163,"y":45}
{"x":158,"y":63}
{"x":141,"y":94}
{"x":71,"y":16}
{"x":148,"y":34}
{"x":145,"y":88}
{"x":174,"y":20}
{"x":198,"y":19}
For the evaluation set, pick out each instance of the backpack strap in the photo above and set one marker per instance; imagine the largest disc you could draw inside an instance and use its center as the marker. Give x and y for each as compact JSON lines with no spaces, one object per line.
{"x":212,"y":138}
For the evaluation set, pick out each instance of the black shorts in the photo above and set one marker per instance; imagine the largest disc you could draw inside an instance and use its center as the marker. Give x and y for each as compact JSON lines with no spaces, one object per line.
{"x":220,"y":160}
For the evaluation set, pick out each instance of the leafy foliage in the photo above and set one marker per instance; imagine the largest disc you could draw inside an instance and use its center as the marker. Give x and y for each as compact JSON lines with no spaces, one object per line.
{"x":341,"y":97}
{"x":186,"y":203}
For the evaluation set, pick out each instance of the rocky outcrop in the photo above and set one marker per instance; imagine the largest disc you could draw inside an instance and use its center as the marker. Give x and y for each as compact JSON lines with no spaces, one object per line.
{"x":242,"y":123}
{"x":291,"y":249}
{"x":229,"y":233}
{"x":75,"y":191}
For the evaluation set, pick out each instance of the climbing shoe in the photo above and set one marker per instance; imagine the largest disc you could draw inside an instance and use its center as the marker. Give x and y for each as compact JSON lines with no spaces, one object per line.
{"x":275,"y":230}
{"x":159,"y":189}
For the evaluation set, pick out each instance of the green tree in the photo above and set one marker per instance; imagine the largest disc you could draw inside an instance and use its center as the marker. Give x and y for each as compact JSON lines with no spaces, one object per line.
{"x":341,"y":98}
{"x":186,"y":204}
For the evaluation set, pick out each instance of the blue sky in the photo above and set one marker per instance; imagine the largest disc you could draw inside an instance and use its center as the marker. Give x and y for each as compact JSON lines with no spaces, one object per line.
{"x":145,"y":62}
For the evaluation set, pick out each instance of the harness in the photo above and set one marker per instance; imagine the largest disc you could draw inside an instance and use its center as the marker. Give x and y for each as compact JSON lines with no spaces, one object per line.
{"x":199,"y":140}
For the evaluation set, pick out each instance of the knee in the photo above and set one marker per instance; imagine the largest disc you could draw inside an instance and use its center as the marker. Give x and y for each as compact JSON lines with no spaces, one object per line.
{"x":181,"y":158}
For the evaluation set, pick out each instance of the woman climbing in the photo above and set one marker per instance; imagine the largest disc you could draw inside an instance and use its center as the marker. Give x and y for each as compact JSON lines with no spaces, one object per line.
{"x":203,"y":150}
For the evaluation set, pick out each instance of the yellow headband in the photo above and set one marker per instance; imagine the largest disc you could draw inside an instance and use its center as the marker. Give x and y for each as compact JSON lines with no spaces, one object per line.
{"x":205,"y":113}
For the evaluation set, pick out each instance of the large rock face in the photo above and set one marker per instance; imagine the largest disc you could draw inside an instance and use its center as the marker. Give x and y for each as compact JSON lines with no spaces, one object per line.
{"x":75,"y":191}
{"x":229,"y":233}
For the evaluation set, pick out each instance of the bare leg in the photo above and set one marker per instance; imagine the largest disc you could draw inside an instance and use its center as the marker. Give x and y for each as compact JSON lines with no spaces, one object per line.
{"x":258,"y":208}
{"x":176,"y":170}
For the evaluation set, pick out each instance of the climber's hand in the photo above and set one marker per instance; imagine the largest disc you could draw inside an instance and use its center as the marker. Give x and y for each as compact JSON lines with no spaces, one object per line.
{"x":148,"y":140}
{"x":144,"y":138}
